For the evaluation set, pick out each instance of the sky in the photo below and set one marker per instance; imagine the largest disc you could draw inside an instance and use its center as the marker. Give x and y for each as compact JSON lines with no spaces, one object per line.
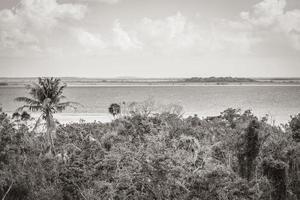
{"x":150,"y":38}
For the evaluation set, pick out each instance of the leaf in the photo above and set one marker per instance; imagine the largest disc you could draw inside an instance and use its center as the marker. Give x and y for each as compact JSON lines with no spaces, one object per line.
{"x":27,"y":100}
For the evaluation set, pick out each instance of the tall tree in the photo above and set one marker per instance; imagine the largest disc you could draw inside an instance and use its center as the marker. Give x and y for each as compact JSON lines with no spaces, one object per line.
{"x":46,"y":97}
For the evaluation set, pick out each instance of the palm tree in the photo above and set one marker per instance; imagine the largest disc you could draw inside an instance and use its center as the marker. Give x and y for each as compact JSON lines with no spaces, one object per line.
{"x":46,"y":96}
{"x":114,"y":109}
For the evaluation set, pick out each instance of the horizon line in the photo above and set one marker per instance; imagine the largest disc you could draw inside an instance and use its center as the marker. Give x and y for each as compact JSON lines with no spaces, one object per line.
{"x":133,"y":77}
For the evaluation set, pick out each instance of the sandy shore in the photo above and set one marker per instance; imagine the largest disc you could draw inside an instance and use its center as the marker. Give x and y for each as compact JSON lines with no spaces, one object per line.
{"x":87,"y":117}
{"x":65,"y":118}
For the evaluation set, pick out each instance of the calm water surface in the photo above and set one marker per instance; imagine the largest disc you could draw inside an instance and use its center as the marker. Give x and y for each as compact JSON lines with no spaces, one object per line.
{"x":278,"y":101}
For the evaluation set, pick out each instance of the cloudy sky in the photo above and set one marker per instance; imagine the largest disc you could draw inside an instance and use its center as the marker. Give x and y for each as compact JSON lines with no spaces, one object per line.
{"x":150,"y":38}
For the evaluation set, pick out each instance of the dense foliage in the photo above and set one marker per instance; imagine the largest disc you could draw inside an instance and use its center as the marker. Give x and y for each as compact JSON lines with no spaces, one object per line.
{"x":153,"y":155}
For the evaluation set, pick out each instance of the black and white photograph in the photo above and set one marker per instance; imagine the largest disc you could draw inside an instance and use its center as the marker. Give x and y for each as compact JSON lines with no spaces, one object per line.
{"x":149,"y":99}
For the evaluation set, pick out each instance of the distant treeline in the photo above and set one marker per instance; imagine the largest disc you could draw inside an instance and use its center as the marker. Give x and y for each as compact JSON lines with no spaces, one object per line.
{"x":218,"y":79}
{"x":3,"y":83}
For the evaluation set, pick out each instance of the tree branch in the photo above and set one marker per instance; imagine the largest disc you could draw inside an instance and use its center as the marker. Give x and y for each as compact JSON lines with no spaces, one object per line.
{"x":7,"y":191}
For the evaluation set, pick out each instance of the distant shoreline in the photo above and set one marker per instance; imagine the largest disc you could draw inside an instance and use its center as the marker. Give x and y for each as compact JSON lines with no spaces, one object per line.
{"x":167,"y":84}
{"x":183,"y":82}
{"x":144,"y":82}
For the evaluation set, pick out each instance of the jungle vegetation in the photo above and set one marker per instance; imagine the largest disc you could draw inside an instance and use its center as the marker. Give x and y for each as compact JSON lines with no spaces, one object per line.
{"x":150,"y":153}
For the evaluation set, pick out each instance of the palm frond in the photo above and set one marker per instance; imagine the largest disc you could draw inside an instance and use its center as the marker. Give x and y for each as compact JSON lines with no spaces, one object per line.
{"x":62,"y":97}
{"x":62,"y":106}
{"x":59,"y":91}
{"x":37,"y":92}
{"x":29,"y":107}
{"x":72,"y":103}
{"x":34,"y":108}
{"x":27,"y":100}
{"x":21,"y":108}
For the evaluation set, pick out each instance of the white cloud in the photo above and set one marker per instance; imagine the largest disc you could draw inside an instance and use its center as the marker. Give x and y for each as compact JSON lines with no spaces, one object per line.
{"x":174,"y":30}
{"x":270,"y":16}
{"x":256,"y":29}
{"x":265,"y":13}
{"x":30,"y":24}
{"x":289,"y":23}
{"x":87,"y":39}
{"x":122,"y":39}
{"x":232,"y":37}
{"x":103,"y":1}
{"x":48,"y":26}
{"x":92,"y":43}
{"x":172,"y":34}
{"x":178,"y":34}
{"x":108,"y":1}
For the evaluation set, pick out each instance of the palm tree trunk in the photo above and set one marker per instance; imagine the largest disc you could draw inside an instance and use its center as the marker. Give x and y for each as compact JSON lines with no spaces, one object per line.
{"x":36,"y":124}
{"x":50,"y":129}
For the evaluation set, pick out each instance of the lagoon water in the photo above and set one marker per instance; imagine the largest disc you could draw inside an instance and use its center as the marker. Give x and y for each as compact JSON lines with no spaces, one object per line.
{"x":279,"y":102}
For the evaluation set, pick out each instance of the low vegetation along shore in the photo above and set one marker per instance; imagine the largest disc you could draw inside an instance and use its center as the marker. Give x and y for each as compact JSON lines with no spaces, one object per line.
{"x":144,"y":154}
